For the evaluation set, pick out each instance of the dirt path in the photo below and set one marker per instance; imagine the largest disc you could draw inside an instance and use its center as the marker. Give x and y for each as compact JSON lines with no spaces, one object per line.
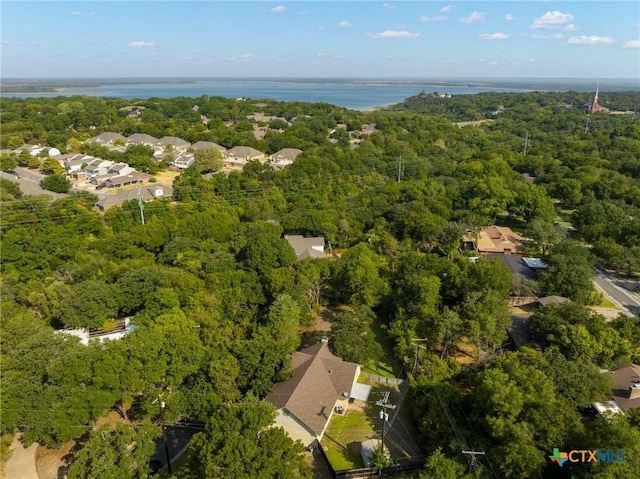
{"x":22,"y":463}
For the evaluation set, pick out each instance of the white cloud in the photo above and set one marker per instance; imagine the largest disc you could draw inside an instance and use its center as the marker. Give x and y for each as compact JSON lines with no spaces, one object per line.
{"x":632,"y":44}
{"x":448,"y":8}
{"x":19,"y":42}
{"x":509,"y":16}
{"x":473,"y":18}
{"x":279,"y":9}
{"x":344,"y":24}
{"x":393,"y":34}
{"x":541,"y":36}
{"x":437,"y":18}
{"x":494,"y":36}
{"x":142,"y":44}
{"x":590,"y":40}
{"x":636,"y":25}
{"x":570,"y":28}
{"x":389,"y":6}
{"x":552,"y":20}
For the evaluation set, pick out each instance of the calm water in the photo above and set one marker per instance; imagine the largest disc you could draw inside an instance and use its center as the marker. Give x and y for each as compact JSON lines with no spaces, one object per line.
{"x":352,"y":94}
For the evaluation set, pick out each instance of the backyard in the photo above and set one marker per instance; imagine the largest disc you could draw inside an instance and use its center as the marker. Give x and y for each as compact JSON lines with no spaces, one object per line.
{"x":341,"y":441}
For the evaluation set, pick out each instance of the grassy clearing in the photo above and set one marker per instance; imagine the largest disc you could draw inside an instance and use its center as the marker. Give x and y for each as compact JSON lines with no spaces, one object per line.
{"x":342,"y":440}
{"x":386,"y":366}
{"x":598,"y":298}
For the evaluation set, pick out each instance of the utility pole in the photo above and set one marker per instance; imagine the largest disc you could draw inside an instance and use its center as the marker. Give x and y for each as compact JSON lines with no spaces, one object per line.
{"x":399,"y":168}
{"x":526,"y":142}
{"x":418,"y":346}
{"x":384,"y":416}
{"x":140,"y":203}
{"x":161,"y":406}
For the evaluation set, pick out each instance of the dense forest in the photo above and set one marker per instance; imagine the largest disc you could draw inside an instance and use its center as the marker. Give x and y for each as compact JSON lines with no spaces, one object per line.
{"x":219,"y":298}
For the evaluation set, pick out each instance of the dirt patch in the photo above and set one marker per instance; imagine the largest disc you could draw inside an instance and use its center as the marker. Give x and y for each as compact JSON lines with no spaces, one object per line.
{"x":166,"y":177}
{"x":53,"y":463}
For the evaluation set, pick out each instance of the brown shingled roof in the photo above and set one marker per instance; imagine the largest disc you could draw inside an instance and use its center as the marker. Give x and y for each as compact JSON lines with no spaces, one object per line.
{"x":320,"y":378}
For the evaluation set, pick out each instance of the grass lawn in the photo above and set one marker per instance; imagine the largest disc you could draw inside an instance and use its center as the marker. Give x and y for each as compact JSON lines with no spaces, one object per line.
{"x":342,"y":440}
{"x":385,"y":366}
{"x":597,"y":298}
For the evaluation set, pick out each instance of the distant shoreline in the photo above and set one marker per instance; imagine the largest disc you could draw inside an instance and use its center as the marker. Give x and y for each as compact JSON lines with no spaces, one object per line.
{"x":365,"y":94}
{"x":54,"y":85}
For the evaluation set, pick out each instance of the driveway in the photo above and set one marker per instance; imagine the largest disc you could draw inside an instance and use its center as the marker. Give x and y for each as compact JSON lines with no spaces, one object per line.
{"x":22,"y":463}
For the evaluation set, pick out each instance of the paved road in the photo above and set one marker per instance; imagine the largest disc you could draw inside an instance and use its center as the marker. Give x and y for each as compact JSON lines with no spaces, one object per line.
{"x":626,"y":300}
{"x":29,"y":183}
{"x":22,"y":463}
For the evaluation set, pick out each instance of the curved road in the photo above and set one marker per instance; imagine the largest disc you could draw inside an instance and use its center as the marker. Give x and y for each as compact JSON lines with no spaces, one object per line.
{"x":627,"y":301}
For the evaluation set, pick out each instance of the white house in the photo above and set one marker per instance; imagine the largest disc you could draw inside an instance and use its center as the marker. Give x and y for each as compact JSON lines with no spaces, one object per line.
{"x":184,"y":161}
{"x":97,"y":167}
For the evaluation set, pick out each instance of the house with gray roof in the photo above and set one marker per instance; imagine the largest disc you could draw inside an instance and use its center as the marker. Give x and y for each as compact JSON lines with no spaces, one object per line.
{"x":322,"y":383}
{"x":142,"y":139}
{"x":173,"y":141}
{"x":284,"y":157}
{"x":306,"y":247}
{"x":97,"y":167}
{"x":120,"y":169}
{"x":148,"y":193}
{"x":73,"y":164}
{"x":199,"y":145}
{"x":107,"y":138}
{"x":243,"y":154}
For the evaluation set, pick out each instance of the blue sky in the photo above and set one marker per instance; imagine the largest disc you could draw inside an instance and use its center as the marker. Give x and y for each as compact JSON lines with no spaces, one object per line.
{"x":421,"y":39}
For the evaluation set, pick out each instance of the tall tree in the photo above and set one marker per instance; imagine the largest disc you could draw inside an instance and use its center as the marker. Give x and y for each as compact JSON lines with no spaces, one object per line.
{"x":239,"y":441}
{"x":123,"y":453}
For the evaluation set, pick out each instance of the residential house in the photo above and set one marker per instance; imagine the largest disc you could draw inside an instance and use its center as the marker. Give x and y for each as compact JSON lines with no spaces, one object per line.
{"x":548,"y":300}
{"x":107,"y":138}
{"x":321,"y":384}
{"x":133,"y":111}
{"x":97,"y":167}
{"x":173,"y":142}
{"x":73,"y":164}
{"x":147,"y":193}
{"x":306,"y":247}
{"x":184,"y":161}
{"x":120,"y":181}
{"x":516,"y":264}
{"x":120,"y":169}
{"x":38,"y":150}
{"x":199,"y":145}
{"x":142,"y":139}
{"x":124,"y":327}
{"x":495,"y":239}
{"x":259,"y":132}
{"x":240,"y":155}
{"x":626,"y":391}
{"x":285,"y":156}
